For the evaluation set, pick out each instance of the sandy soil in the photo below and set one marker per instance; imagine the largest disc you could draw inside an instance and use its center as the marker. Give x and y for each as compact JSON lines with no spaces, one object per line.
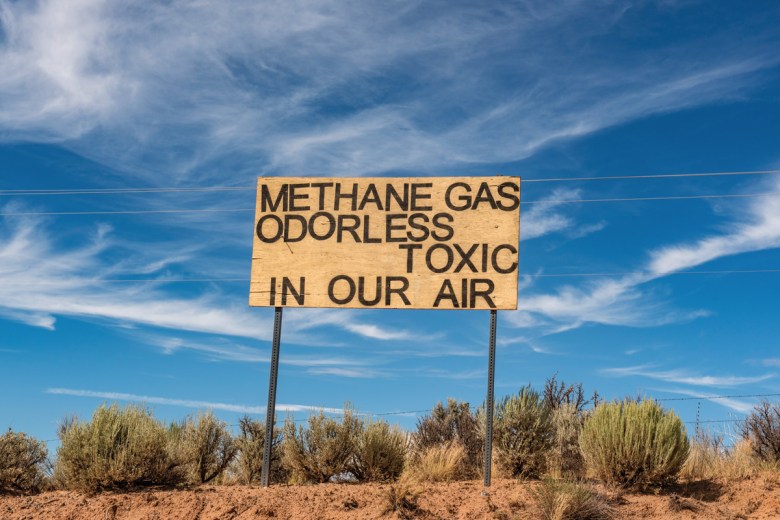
{"x":757,"y":498}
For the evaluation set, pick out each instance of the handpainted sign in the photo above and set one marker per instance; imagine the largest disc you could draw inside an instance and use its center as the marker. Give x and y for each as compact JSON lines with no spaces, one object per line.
{"x":408,"y":243}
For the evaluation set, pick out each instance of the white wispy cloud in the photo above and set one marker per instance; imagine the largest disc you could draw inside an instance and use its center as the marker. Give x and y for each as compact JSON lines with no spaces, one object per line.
{"x":622,"y":300}
{"x":42,"y":278}
{"x":546,"y":217}
{"x":188,"y":403}
{"x":259,"y":69}
{"x":684,"y":376}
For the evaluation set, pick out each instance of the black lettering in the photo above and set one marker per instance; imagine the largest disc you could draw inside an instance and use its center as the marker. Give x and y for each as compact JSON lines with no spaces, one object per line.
{"x":389,"y":227}
{"x":513,"y":199}
{"x":484,"y":195}
{"x":429,"y":255}
{"x":332,"y":288}
{"x":321,"y":187}
{"x":371,"y":196}
{"x":313,"y":225}
{"x":351,"y":196}
{"x":272,"y":292}
{"x":362,"y":291}
{"x":494,"y":259}
{"x":301,"y":196}
{"x":259,"y":228}
{"x":482,"y":293}
{"x":419,"y":227}
{"x":409,"y":260}
{"x":465,"y":258}
{"x":463,"y":198}
{"x":289,"y":288}
{"x":349,"y":228}
{"x":266,"y":201}
{"x":437,"y":218}
{"x":417,"y":196}
{"x":403,"y":202}
{"x":288,"y":219}
{"x":400,"y":291}
{"x":367,"y":233}
{"x":446,"y":292}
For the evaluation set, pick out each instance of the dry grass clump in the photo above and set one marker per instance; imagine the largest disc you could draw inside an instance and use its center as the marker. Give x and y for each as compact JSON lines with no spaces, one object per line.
{"x":379,"y":454}
{"x":629,"y":443}
{"x":205,"y":447}
{"x":454,"y":422}
{"x":523,"y":434}
{"x":401,"y":498}
{"x":710,"y":459}
{"x":22,"y":461}
{"x":565,"y":500}
{"x":439,"y":463}
{"x":116,"y":449}
{"x":321,"y":450}
{"x":251,"y":443}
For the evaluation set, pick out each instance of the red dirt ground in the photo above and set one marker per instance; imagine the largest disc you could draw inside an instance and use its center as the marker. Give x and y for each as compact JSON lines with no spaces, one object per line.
{"x":755,"y":498}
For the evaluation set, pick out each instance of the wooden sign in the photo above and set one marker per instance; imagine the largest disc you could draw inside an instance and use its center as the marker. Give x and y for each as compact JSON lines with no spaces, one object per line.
{"x":400,"y":243}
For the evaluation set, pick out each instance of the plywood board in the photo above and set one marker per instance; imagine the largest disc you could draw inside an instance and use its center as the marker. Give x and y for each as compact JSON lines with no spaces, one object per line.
{"x":411,"y":243}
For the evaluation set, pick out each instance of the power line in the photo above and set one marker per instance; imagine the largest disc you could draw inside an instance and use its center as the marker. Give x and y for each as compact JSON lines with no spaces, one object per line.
{"x":716,"y":397}
{"x":109,"y":191}
{"x":542,"y":275}
{"x":654,"y":176}
{"x":234,"y":210}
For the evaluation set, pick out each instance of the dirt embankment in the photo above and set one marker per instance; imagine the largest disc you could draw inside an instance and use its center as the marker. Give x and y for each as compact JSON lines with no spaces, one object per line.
{"x":757,"y":498}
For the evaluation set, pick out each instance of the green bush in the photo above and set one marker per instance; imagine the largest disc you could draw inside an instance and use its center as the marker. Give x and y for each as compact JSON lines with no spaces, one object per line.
{"x":380,"y":450}
{"x":250,"y":444}
{"x":629,"y":443}
{"x":452,"y":423}
{"x":523,"y":434}
{"x":22,"y":460}
{"x":322,"y":450}
{"x":116,"y":449}
{"x":205,"y":447}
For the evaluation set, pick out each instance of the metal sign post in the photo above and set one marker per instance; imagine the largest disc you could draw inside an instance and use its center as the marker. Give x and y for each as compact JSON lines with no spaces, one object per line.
{"x":489,"y":399}
{"x":271,"y":409}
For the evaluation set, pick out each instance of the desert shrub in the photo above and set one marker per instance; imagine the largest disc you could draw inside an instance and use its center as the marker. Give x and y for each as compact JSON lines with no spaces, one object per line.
{"x":565,"y":458}
{"x":380,"y":450}
{"x":22,"y":463}
{"x":562,"y":500}
{"x":452,"y":423}
{"x":321,"y":450}
{"x":523,"y":434}
{"x":438,"y":463}
{"x":558,"y":394}
{"x":762,"y":427}
{"x":205,"y":447}
{"x":116,"y":449}
{"x":630,"y":443}
{"x":249,"y":461}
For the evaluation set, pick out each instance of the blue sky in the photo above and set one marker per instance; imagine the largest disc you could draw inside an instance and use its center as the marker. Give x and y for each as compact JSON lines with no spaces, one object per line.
{"x":98,"y":95}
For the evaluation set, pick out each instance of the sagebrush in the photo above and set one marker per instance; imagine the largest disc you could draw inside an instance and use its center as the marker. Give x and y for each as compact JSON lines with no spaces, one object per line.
{"x":116,"y":449}
{"x":629,"y":443}
{"x":762,"y":428}
{"x":438,"y":463}
{"x":569,"y":500}
{"x":379,"y":452}
{"x":204,"y":446}
{"x":22,"y":463}
{"x":523,"y":434}
{"x":321,"y":450}
{"x":454,"y":422}
{"x":251,"y":444}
